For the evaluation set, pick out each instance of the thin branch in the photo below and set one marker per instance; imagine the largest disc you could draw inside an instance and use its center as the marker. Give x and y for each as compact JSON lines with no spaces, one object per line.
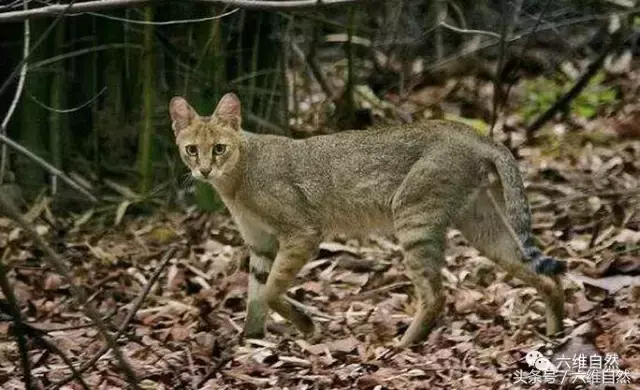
{"x":50,"y":168}
{"x":40,"y":340}
{"x":125,"y":323}
{"x":579,"y":86}
{"x":18,"y":328}
{"x":54,"y":348}
{"x":310,"y":58}
{"x":165,"y":23}
{"x":59,"y":265}
{"x":14,"y":4}
{"x":16,"y":97}
{"x":103,"y":5}
{"x":497,"y":82}
{"x":492,"y":42}
{"x":67,"y":110}
{"x":539,"y":20}
{"x":469,"y":31}
{"x":76,"y":53}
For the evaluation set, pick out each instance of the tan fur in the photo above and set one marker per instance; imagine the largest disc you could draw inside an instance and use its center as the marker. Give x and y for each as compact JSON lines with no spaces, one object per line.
{"x":414,"y":180}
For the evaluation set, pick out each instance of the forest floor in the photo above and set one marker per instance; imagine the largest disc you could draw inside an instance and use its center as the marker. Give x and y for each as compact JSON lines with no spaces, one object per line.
{"x":186,"y":333}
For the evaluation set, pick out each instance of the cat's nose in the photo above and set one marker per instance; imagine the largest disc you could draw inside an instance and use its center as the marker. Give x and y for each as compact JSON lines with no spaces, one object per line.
{"x":205,"y":171}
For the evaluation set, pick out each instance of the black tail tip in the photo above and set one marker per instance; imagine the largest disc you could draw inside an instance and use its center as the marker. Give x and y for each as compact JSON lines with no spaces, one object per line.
{"x":547,"y":265}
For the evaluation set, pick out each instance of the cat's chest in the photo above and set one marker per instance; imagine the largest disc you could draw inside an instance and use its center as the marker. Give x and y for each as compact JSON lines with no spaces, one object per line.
{"x":248,"y":217}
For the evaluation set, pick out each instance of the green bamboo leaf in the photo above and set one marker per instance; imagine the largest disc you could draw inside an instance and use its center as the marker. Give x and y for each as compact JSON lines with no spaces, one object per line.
{"x":121,"y":211}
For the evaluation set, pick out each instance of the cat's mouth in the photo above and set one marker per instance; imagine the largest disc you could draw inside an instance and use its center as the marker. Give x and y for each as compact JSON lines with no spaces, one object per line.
{"x":198,"y":175}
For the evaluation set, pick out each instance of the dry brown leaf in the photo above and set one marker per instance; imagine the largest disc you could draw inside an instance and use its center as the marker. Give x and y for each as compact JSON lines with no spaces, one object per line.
{"x":52,"y":282}
{"x":610,"y":283}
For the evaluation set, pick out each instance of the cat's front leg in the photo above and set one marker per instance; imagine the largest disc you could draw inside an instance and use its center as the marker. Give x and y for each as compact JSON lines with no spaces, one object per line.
{"x":257,"y":309}
{"x":263,"y":248}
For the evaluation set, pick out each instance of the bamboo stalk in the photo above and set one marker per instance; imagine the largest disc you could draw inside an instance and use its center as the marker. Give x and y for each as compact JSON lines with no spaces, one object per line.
{"x":145,"y":143}
{"x":57,"y":95}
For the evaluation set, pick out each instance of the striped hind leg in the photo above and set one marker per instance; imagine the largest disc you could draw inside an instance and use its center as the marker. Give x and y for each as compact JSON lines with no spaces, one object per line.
{"x":424,"y":260}
{"x":421,"y":208}
{"x":483,"y":228}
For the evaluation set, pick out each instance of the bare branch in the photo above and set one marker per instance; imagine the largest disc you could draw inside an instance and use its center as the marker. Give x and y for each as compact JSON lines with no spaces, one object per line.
{"x":16,"y":97}
{"x":13,"y":4}
{"x":103,"y":5}
{"x":80,"y":52}
{"x":18,"y":328}
{"x":67,"y":110}
{"x":59,"y":265}
{"x":492,"y":42}
{"x":125,"y":323}
{"x":165,"y":23}
{"x":53,"y":170}
{"x":42,"y":340}
{"x":469,"y":31}
{"x":576,"y":90}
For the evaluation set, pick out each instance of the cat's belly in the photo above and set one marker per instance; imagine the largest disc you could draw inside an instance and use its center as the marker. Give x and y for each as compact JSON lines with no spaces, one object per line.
{"x":358,"y":221}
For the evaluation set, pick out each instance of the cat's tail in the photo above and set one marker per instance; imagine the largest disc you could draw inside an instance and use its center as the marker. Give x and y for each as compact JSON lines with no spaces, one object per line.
{"x":518,"y":212}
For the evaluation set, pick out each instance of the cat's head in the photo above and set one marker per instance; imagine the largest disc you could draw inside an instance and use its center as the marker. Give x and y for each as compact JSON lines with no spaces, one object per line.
{"x":209,"y":145}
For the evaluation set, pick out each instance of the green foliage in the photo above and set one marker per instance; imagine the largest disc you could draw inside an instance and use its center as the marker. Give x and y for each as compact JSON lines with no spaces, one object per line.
{"x":542,"y":93}
{"x":206,"y":198}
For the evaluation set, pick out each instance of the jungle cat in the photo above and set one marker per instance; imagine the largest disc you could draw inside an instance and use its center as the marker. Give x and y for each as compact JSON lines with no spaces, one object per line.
{"x":414,"y":180}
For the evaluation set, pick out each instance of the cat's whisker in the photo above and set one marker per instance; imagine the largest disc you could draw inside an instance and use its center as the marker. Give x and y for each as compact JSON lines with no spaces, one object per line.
{"x":187,"y":180}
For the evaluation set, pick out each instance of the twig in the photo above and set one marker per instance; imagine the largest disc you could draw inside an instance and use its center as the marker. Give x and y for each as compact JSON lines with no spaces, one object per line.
{"x":53,"y":170}
{"x":492,"y":42}
{"x":164,"y":23}
{"x":223,"y":360}
{"x":76,"y":53}
{"x":16,"y":97}
{"x":125,"y":323}
{"x":54,"y":348}
{"x":13,"y":4}
{"x":308,"y":309}
{"x":39,"y":337}
{"x":56,"y":262}
{"x":497,"y":79}
{"x":310,"y":59}
{"x":539,"y":20}
{"x":18,"y":328}
{"x":582,"y":82}
{"x":103,"y":5}
{"x":383,"y":289}
{"x":469,"y":31}
{"x":67,"y":110}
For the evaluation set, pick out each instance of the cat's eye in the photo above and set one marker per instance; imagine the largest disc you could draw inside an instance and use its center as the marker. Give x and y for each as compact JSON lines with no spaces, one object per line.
{"x":218,"y":149}
{"x":192,"y":150}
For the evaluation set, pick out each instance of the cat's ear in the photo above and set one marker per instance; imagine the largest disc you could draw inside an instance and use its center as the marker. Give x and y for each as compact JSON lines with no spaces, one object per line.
{"x":181,"y":114}
{"x":228,"y":111}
